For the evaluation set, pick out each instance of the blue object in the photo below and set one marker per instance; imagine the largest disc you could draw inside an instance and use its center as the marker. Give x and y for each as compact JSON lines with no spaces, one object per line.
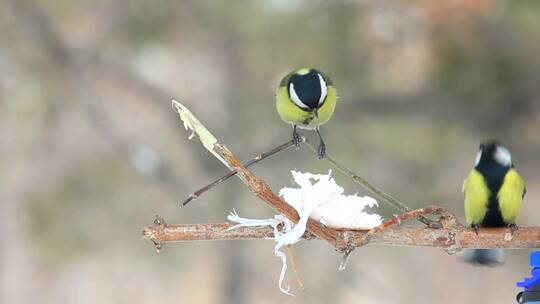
{"x":527,"y":283}
{"x":531,"y":285}
{"x":535,"y":259}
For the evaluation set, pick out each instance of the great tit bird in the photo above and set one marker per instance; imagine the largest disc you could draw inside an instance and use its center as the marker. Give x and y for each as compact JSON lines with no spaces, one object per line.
{"x":306,"y":98}
{"x":494,"y":191}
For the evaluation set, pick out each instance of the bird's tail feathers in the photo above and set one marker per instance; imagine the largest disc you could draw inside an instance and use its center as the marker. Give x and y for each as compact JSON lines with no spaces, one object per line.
{"x":483,"y":257}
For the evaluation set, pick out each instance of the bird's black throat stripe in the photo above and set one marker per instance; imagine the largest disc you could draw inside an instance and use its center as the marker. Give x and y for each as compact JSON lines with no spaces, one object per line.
{"x":493,"y":174}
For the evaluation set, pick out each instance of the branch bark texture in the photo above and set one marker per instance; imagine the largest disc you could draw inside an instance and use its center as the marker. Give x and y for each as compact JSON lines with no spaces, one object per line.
{"x":452,"y":238}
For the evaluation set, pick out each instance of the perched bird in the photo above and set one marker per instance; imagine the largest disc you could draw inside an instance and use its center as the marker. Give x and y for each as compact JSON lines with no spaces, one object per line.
{"x":306,"y":98}
{"x":494,"y":191}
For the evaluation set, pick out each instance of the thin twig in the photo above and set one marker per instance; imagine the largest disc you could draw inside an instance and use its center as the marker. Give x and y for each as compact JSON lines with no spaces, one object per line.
{"x":400,"y":206}
{"x":295,"y":270}
{"x":447,"y":220}
{"x":255,"y":160}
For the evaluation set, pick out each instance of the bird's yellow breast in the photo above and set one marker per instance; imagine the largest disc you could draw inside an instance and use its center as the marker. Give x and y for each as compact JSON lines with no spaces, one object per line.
{"x":476,"y":197}
{"x":291,"y":113}
{"x":510,"y":196}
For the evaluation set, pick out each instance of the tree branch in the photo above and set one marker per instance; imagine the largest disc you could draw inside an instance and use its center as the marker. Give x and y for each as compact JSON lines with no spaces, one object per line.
{"x":452,"y":238}
{"x":253,"y":161}
{"x":446,"y":232}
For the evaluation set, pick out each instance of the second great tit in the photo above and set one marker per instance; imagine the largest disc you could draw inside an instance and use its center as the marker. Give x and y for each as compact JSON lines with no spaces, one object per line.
{"x":494,"y":191}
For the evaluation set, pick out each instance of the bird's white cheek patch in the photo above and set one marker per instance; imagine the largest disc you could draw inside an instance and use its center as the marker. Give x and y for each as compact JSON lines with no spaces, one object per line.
{"x":295,"y":97}
{"x":324,"y":89}
{"x":502,"y":156}
{"x":478,"y":156}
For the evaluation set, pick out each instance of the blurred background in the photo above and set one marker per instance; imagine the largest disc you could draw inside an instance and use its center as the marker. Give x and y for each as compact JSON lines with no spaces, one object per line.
{"x":91,"y":149}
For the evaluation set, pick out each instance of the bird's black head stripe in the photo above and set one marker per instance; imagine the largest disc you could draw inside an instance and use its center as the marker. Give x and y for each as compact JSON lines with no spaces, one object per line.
{"x":307,"y":87}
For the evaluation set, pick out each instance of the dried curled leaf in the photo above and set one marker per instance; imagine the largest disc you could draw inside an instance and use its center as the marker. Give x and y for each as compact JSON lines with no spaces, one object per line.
{"x":191,"y":122}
